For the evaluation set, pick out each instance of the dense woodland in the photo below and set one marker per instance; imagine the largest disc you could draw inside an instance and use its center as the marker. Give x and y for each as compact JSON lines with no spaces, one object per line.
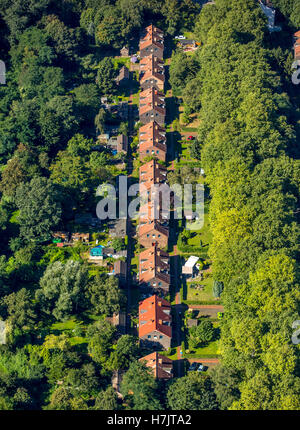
{"x":58,"y":57}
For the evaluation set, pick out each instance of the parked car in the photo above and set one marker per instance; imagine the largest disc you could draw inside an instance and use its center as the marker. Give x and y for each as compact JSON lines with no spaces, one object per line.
{"x":181,"y":37}
{"x":200,"y":368}
{"x":190,"y":138}
{"x":193,"y":367}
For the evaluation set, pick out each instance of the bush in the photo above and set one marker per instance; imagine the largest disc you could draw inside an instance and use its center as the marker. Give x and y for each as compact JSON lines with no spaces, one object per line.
{"x":202,"y":334}
{"x":190,"y":249}
{"x":218,"y":288}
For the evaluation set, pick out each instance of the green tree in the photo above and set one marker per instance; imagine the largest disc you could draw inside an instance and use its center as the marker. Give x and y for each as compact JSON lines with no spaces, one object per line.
{"x":70,"y":171}
{"x":106,"y":75}
{"x":20,"y":309}
{"x":191,"y":392}
{"x":100,"y":119}
{"x":83,"y":381}
{"x":226,"y":381}
{"x":109,"y":31}
{"x":64,"y":39}
{"x":101,"y":337}
{"x":40,"y":208}
{"x":61,"y":399}
{"x":217,"y":288}
{"x":106,"y":400}
{"x":139,"y":388}
{"x":62,"y":289}
{"x":203,"y":333}
{"x":105,"y":295}
{"x":87,"y":100}
{"x":125,"y":352}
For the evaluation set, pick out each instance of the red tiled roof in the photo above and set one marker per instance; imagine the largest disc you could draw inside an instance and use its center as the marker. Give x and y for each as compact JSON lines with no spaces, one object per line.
{"x":152,"y":135}
{"x":162,"y":366}
{"x":297,"y":52}
{"x":153,"y":313}
{"x":151,"y":226}
{"x":151,"y":67}
{"x":152,"y":99}
{"x":152,"y":263}
{"x":152,"y":173}
{"x":152,"y":35}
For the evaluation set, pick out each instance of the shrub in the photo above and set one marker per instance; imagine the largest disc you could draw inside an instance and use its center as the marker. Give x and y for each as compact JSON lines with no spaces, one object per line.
{"x":218,"y":288}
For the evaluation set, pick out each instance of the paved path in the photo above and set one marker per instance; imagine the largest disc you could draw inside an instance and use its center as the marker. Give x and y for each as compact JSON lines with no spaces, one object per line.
{"x":219,"y":308}
{"x":176,"y":268}
{"x":128,"y":226}
{"x":178,"y":316}
{"x":209,"y":362}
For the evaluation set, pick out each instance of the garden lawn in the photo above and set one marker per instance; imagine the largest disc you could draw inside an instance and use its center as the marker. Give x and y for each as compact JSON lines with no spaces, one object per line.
{"x":118,"y":62}
{"x":172,"y":353}
{"x":212,"y":349}
{"x":135,"y":263}
{"x":135,"y":98}
{"x":204,"y":295}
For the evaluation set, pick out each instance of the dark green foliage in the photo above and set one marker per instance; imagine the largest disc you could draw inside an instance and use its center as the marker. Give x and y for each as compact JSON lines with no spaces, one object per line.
{"x":105,"y":76}
{"x":39,"y":204}
{"x":62,"y":289}
{"x":202,"y":334}
{"x":218,"y":288}
{"x":19,"y":309}
{"x":191,"y":392}
{"x":105,"y":295}
{"x":139,"y":388}
{"x":106,"y":400}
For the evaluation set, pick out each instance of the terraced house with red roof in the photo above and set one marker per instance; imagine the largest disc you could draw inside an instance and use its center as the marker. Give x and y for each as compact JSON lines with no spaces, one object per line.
{"x":152,"y":141}
{"x":297,"y":45}
{"x":154,"y":270}
{"x":154,"y":209}
{"x":152,"y":106}
{"x":152,"y":173}
{"x":153,"y":233}
{"x":152,"y":42}
{"x":152,"y":73}
{"x":161,"y":366}
{"x":155,"y":321}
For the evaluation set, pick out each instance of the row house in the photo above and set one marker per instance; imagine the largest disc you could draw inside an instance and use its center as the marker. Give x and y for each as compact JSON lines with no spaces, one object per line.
{"x":297,"y":46}
{"x":152,"y":42}
{"x":152,"y":106}
{"x":152,"y":73}
{"x":153,"y":233}
{"x":152,"y":173}
{"x":154,"y":209}
{"x":155,"y":321}
{"x":161,"y":366}
{"x":152,"y":141}
{"x":154,"y":270}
